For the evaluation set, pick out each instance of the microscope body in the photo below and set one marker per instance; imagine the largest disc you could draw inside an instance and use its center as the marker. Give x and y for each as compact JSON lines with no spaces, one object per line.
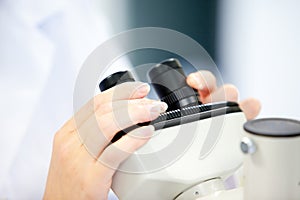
{"x":212,"y":154}
{"x":197,"y":146}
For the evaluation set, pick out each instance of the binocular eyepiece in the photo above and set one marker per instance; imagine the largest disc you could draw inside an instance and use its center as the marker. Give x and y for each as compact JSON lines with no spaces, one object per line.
{"x":168,"y":81}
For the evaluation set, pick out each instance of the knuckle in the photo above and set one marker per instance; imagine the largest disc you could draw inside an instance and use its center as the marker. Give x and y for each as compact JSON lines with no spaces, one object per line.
{"x":97,"y":101}
{"x":101,"y":108}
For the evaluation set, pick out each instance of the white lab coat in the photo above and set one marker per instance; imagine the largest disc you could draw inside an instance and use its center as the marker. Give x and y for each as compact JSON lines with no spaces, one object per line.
{"x":42,"y":46}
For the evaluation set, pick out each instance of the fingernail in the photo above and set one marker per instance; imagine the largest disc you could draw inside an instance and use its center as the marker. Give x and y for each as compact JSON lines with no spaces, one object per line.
{"x":143,"y":89}
{"x":157,"y":108}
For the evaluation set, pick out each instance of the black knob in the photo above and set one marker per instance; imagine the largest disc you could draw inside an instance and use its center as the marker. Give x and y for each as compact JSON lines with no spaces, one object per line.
{"x":116,"y":79}
{"x":169,"y":82}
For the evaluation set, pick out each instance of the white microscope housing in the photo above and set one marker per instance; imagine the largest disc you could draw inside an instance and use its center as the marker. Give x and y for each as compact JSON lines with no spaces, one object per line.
{"x":208,"y":154}
{"x":196,"y":147}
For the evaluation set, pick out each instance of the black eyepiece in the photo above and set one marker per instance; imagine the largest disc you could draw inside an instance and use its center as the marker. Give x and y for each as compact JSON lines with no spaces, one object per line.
{"x":169,"y":82}
{"x":116,"y":79}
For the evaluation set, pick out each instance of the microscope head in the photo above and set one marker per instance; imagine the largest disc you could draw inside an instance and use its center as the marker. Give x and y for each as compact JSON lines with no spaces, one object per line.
{"x":194,"y":143}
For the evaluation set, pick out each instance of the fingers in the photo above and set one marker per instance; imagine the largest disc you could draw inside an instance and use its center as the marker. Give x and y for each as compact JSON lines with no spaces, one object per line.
{"x":119,"y":151}
{"x":204,"y":81}
{"x":251,"y":107}
{"x":120,"y":119}
{"x":110,"y":106}
{"x":129,"y":90}
{"x":97,"y":132}
{"x":227,"y":92}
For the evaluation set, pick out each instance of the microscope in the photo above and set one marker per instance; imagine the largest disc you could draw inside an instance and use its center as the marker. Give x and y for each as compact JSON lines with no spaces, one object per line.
{"x":196,"y":147}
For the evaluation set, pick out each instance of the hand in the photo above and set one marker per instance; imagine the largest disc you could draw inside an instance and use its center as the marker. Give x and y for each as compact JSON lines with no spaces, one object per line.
{"x":76,"y":173}
{"x":206,"y":84}
{"x":75,"y":170}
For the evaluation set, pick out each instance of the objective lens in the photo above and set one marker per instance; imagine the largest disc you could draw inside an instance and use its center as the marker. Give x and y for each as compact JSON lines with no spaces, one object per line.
{"x":169,"y":82}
